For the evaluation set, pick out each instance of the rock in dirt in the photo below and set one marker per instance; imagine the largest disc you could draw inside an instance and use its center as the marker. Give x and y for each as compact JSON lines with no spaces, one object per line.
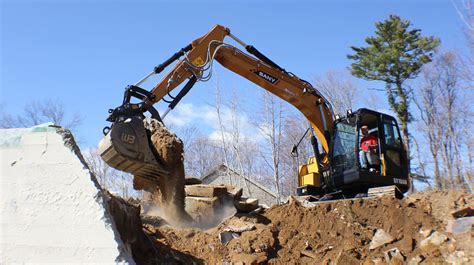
{"x":442,"y":203}
{"x":309,"y":253}
{"x":394,"y":256}
{"x":234,"y":229}
{"x":435,"y":239}
{"x":242,"y":258}
{"x":344,"y":258}
{"x":380,"y":238}
{"x":425,"y":232}
{"x":457,"y":257}
{"x":291,"y":233}
{"x":416,"y":260}
{"x":153,"y":220}
{"x":240,"y":227}
{"x":226,"y":236}
{"x":377,"y":261}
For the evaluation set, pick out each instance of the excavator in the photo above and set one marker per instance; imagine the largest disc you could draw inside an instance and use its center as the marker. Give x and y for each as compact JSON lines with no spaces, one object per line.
{"x":335,"y":168}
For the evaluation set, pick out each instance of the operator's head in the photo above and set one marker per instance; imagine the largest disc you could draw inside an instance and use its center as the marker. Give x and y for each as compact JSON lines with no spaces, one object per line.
{"x":364,"y":129}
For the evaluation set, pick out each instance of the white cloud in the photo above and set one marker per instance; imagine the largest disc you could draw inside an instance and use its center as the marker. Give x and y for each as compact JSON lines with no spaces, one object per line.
{"x":206,"y":119}
{"x":186,"y":114}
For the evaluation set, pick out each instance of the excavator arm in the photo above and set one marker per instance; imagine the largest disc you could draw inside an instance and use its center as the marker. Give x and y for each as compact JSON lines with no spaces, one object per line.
{"x":137,"y":145}
{"x":127,"y":144}
{"x":257,"y":69}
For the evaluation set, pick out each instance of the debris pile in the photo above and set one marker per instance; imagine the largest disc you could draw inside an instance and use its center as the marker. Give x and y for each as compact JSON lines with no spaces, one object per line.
{"x":419,"y":228}
{"x":207,"y":205}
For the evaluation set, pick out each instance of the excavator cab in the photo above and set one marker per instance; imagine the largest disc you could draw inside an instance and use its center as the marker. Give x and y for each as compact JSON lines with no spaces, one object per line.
{"x":386,"y":163}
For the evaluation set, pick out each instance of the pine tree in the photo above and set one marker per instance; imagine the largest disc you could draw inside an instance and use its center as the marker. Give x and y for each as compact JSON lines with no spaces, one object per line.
{"x":394,"y":55}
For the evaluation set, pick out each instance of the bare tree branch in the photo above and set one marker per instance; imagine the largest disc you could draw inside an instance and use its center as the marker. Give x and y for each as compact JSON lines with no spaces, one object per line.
{"x":37,"y":112}
{"x":339,"y":88}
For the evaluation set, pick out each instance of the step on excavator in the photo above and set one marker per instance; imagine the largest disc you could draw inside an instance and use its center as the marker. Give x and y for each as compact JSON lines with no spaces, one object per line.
{"x":335,"y":170}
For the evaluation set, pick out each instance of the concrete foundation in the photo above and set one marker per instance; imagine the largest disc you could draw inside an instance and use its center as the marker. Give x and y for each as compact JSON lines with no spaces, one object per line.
{"x":52,"y":209}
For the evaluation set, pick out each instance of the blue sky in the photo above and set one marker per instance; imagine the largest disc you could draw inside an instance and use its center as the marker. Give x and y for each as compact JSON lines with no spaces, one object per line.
{"x":85,"y":52}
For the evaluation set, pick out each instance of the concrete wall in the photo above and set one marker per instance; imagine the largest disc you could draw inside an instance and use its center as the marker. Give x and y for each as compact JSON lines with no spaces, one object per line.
{"x":50,"y":206}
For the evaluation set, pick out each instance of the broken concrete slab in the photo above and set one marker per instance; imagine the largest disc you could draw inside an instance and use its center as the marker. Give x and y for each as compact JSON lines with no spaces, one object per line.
{"x":380,"y":238}
{"x":198,"y":207}
{"x":240,"y":228}
{"x":52,"y":208}
{"x":209,"y":191}
{"x":235,"y":192}
{"x":246,"y":205}
{"x":239,"y":225}
{"x":461,"y":225}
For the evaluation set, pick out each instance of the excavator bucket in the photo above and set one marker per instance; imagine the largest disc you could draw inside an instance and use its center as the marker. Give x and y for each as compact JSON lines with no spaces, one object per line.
{"x":127,"y":147}
{"x":145,"y":148}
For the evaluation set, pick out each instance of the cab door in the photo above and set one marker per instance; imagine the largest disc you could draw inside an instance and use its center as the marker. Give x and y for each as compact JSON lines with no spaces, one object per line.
{"x":394,"y":155}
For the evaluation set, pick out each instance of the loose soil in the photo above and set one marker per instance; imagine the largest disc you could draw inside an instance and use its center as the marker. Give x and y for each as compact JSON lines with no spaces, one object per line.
{"x":329,"y":233}
{"x":170,"y":194}
{"x":325,"y":233}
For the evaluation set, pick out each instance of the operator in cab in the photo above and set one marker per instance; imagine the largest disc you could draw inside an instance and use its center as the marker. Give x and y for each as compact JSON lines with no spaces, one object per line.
{"x":368,"y":148}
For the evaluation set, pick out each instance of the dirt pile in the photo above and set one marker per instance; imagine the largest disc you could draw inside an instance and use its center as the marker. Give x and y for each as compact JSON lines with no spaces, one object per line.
{"x":361,"y":231}
{"x":144,"y":249}
{"x":442,"y":203}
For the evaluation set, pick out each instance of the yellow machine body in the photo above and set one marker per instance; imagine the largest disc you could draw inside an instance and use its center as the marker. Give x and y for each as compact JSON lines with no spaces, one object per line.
{"x":308,"y":174}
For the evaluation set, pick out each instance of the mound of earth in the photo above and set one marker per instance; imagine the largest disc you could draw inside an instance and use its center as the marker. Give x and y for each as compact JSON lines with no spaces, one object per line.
{"x":360,"y":231}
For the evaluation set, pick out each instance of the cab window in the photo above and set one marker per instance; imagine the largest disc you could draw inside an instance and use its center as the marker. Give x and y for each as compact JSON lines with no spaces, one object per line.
{"x":344,"y":144}
{"x":392,"y":137}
